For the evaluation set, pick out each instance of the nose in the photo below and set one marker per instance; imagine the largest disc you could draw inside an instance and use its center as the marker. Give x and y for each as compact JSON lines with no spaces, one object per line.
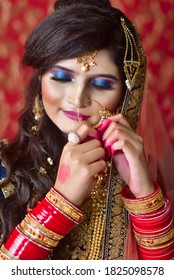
{"x":79,"y":96}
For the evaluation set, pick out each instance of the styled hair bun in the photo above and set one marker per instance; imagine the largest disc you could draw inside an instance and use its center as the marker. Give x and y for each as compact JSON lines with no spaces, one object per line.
{"x":64,"y":3}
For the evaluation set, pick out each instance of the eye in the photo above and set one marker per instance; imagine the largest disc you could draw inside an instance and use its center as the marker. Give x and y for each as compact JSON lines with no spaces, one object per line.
{"x":61,"y":76}
{"x":103,"y":84}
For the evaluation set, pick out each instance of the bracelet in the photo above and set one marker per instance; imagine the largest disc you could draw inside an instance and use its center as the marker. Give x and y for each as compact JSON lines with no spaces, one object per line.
{"x":5,"y":254}
{"x":64,"y":205}
{"x":21,"y":247}
{"x":144,"y":205}
{"x":42,"y":228}
{"x":165,"y":253}
{"x":47,"y":215}
{"x":155,"y":239}
{"x":45,"y":231}
{"x":157,"y":222}
{"x":35,"y":235}
{"x":161,"y":246}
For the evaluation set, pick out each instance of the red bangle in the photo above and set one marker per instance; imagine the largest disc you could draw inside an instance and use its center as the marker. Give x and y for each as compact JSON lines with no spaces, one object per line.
{"x":154,"y":223}
{"x":25,"y":242}
{"x":166,"y":253}
{"x":143,"y":205}
{"x":23,"y":248}
{"x":53,"y":220}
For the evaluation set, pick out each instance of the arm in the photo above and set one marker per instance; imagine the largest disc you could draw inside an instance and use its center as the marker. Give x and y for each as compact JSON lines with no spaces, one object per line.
{"x":150,"y":212}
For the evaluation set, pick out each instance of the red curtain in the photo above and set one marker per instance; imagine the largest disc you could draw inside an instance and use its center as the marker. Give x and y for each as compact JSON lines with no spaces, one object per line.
{"x":154,"y":20}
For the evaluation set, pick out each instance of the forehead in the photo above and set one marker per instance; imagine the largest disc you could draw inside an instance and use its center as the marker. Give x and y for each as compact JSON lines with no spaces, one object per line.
{"x":103,"y":60}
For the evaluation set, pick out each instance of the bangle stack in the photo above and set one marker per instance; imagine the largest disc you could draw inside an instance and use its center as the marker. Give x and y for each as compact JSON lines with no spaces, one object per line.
{"x":42,"y":228}
{"x":144,"y":205}
{"x":152,"y":223}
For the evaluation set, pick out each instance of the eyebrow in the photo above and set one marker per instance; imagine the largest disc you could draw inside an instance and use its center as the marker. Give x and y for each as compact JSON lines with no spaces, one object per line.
{"x":62,"y":68}
{"x":109,"y":76}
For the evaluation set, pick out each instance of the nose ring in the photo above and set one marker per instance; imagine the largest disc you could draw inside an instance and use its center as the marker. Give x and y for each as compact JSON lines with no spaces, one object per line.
{"x":89,"y":101}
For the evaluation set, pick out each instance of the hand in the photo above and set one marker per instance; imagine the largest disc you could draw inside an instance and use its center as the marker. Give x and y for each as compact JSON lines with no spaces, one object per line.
{"x":79,"y":164}
{"x":126,"y":147}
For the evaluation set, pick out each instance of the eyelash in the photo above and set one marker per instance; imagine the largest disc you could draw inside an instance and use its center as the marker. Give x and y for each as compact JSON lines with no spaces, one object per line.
{"x":102,"y":84}
{"x":61,"y":76}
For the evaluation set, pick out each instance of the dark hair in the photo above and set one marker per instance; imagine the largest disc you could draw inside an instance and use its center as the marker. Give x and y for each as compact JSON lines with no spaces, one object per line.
{"x":74,"y":28}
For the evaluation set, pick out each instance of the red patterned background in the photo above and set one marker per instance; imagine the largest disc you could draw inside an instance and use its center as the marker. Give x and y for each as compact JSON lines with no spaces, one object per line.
{"x":154,"y":20}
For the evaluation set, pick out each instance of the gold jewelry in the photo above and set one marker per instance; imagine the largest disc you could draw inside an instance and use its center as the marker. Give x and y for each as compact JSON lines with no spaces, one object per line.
{"x":154,"y":240}
{"x":86,"y":61}
{"x":164,"y":245}
{"x":42,"y":170}
{"x":37,"y":108}
{"x":132,"y":60}
{"x":38,"y":113}
{"x":97,"y":219}
{"x":34,"y":128}
{"x":45,"y":231}
{"x":5,"y":254}
{"x":145,"y":205}
{"x":104,"y":114}
{"x":65,"y":206}
{"x":35,"y":235}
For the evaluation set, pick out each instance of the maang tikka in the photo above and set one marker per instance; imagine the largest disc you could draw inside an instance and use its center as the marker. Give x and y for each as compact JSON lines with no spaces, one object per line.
{"x":86,"y":61}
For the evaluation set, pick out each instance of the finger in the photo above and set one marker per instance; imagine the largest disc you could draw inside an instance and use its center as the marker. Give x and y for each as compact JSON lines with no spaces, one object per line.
{"x":119,"y":118}
{"x":96,"y":167}
{"x":113,"y":131}
{"x":86,"y":130}
{"x":95,"y":155}
{"x":89,"y":146}
{"x":131,"y":151}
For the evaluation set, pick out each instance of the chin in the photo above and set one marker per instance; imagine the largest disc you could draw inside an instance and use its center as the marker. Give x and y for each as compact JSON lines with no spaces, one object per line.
{"x":68,"y":128}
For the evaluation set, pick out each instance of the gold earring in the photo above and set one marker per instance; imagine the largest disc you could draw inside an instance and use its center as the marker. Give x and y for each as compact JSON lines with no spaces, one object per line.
{"x":38,"y":112}
{"x":37,"y":109}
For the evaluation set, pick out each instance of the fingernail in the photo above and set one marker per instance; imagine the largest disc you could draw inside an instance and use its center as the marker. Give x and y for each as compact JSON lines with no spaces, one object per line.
{"x":113,"y":152}
{"x":104,"y":125}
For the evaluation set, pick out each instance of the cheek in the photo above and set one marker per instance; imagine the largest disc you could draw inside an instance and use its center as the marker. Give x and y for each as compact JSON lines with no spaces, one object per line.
{"x":111,"y":102}
{"x":50,"y":94}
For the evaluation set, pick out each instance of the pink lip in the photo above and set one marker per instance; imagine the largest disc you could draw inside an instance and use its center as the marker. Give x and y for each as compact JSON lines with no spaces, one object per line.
{"x":75,"y":116}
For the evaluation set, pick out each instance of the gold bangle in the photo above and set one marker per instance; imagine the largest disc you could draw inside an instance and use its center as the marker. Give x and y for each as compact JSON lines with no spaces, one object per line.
{"x":154,"y":240}
{"x":6,"y":255}
{"x":145,"y":206}
{"x":36,"y":235}
{"x":45,"y":231}
{"x":65,"y":206}
{"x":161,"y":246}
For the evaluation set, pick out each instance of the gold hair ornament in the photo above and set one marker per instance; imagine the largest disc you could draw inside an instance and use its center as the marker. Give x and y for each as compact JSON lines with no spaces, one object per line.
{"x":86,"y":61}
{"x":132,"y":63}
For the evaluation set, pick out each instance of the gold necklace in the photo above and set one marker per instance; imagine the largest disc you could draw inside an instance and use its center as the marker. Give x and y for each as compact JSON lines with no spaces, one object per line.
{"x":97,"y":220}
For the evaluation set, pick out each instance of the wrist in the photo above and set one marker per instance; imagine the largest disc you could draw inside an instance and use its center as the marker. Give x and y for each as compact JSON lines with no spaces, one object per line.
{"x":146,"y":191}
{"x":143,"y":205}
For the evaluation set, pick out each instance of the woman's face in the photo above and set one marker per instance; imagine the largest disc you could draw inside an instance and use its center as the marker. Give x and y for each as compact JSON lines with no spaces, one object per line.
{"x":70,"y":95}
